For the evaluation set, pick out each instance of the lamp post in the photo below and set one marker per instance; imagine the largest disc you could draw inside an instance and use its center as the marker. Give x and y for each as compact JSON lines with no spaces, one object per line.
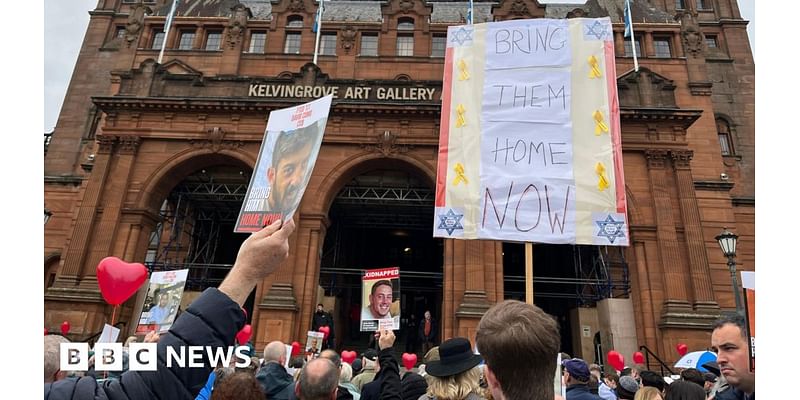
{"x":47,"y":215}
{"x":727,"y":242}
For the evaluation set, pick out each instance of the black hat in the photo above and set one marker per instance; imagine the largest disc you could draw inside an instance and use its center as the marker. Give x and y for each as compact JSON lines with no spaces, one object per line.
{"x":371,"y":354}
{"x":455,"y":357}
{"x":709,"y":377}
{"x":712,"y":367}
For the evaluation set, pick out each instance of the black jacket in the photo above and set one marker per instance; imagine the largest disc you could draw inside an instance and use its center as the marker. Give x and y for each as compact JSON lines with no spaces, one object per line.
{"x":581,"y":392}
{"x":275,"y":381}
{"x":321,"y":319}
{"x":421,"y":330}
{"x":386,"y":384}
{"x":211,"y":320}
{"x":733,"y":394}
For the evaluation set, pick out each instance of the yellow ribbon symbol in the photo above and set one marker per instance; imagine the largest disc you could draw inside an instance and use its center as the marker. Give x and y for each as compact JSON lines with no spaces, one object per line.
{"x":463,"y":67}
{"x":602,"y":183}
{"x":600,"y":125}
{"x":595,"y":73}
{"x":459,"y":175}
{"x":460,"y":120}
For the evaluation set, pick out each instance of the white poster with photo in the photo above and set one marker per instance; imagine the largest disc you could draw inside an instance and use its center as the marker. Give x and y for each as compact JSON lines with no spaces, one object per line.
{"x":380,"y":299}
{"x":162,"y":301}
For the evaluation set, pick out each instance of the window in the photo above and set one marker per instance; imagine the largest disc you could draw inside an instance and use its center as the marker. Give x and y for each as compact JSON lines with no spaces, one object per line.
{"x":158,"y":40}
{"x":405,"y":45}
{"x":438,"y":45}
{"x":213,"y":40}
{"x":629,"y":52}
{"x":703,"y":5}
{"x":661,"y":47}
{"x":724,"y":135}
{"x":186,"y":40}
{"x":327,"y":44}
{"x":258,"y":42}
{"x":292,"y":44}
{"x":405,"y":24}
{"x":680,"y":5}
{"x":120,"y":33}
{"x":294,"y":21}
{"x":711,"y":41}
{"x":369,"y":44}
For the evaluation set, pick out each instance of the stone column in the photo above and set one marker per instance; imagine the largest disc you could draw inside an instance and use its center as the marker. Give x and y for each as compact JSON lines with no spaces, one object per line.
{"x":696,"y":249}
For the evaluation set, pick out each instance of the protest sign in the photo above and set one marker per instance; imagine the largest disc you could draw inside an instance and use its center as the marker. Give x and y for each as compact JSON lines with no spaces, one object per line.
{"x":162,"y":301}
{"x":380,"y":299}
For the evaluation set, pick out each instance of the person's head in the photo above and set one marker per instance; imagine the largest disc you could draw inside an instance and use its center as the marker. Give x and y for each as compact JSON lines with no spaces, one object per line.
{"x":652,"y":379}
{"x":595,"y":370}
{"x":693,"y":375}
{"x":345,"y":373}
{"x":427,"y":314}
{"x":290,"y":160}
{"x":709,"y":380}
{"x":729,"y":340}
{"x":129,"y":340}
{"x":52,"y":364}
{"x":320,"y":308}
{"x":380,"y":298}
{"x":275,"y":352}
{"x":593,"y":384}
{"x":611,"y":380}
{"x":296,"y":362}
{"x":318,"y":380}
{"x":576,"y":372}
{"x":332,"y":355}
{"x":238,"y":385}
{"x":520,"y":344}
{"x":648,"y":393}
{"x":412,"y":386}
{"x":370,"y":360}
{"x":163,"y":299}
{"x":627,"y":388}
{"x":684,"y":390}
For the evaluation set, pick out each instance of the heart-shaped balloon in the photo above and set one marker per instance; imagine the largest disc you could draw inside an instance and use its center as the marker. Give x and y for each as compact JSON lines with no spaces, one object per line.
{"x":244,"y":335}
{"x":409,"y":360}
{"x":326,"y":330}
{"x":65,"y":328}
{"x":45,"y":331}
{"x":616,"y":360}
{"x":119,"y":280}
{"x":349,"y":356}
{"x":682,"y":349}
{"x":638,"y":357}
{"x":295,"y":348}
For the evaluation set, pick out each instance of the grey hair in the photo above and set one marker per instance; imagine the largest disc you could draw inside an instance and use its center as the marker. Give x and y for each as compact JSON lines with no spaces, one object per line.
{"x":52,"y":346}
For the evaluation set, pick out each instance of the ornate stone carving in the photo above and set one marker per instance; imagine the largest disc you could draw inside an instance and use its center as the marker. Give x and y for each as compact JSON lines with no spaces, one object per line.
{"x":128,"y":144}
{"x":577,"y":13}
{"x":348,"y":38}
{"x":518,"y":7}
{"x":406,"y":5}
{"x":656,"y":158}
{"x":692,"y":36}
{"x":215,"y":140}
{"x":105,"y":144}
{"x":681,"y":159}
{"x":135,"y":22}
{"x":237,"y":24}
{"x":386,"y":145}
{"x":297,"y":5}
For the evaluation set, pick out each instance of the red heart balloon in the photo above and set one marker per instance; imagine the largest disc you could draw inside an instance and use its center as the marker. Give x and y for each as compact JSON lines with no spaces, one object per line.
{"x":682,"y":349}
{"x":119,"y":280}
{"x":409,"y":360}
{"x":244,"y":335}
{"x":638,"y":357}
{"x":65,"y":328}
{"x":348,"y":356}
{"x":326,"y":330}
{"x":295,"y":348}
{"x":616,"y":360}
{"x":45,"y":331}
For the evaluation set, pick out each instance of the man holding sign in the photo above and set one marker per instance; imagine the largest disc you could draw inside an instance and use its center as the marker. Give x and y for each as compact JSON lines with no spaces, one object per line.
{"x":380,"y":289}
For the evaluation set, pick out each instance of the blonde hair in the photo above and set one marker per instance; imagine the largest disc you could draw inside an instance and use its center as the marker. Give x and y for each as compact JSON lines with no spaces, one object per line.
{"x":346,"y":373}
{"x":648,"y":393}
{"x":455,"y":387}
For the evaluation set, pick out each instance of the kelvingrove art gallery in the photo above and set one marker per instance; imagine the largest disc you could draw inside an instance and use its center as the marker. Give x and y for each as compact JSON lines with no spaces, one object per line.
{"x":150,"y":162}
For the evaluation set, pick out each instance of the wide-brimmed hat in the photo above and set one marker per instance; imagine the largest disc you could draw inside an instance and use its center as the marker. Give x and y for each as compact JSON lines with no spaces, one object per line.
{"x":455,"y":357}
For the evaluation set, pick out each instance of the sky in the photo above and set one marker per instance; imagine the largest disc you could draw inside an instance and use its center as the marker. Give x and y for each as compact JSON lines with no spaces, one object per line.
{"x":65,"y":23}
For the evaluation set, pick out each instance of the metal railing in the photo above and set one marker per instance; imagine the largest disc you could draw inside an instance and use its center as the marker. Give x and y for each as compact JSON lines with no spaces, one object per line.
{"x":661,"y":364}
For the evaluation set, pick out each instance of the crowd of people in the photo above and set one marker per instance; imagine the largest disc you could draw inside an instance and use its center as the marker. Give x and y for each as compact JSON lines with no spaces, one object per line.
{"x":518,"y":342}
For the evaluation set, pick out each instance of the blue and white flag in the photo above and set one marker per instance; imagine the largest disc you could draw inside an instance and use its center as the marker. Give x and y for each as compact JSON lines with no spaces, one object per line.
{"x":167,"y":25}
{"x":470,"y":13}
{"x":317,"y":19}
{"x":628,"y":20}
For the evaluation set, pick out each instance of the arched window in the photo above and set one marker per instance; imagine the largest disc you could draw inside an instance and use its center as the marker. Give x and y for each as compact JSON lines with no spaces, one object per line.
{"x":405,"y":37}
{"x":291,"y":44}
{"x":725,"y":138}
{"x":294,"y":21}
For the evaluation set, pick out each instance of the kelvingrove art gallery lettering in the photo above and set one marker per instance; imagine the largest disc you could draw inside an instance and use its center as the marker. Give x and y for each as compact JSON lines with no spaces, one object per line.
{"x":342,"y":92}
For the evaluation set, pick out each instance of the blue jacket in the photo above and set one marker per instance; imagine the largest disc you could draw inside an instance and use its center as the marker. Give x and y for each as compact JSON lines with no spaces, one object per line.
{"x":276,"y":383}
{"x":212,"y":320}
{"x":580,"y":392}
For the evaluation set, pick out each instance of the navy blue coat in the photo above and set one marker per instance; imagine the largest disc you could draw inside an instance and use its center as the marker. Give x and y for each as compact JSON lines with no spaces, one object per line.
{"x":581,"y":392}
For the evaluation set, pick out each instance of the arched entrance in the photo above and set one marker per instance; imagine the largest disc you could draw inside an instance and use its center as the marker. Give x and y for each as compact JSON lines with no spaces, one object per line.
{"x":382,"y":218}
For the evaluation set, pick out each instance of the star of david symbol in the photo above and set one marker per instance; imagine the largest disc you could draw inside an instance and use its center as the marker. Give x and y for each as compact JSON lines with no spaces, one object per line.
{"x":450,"y":221}
{"x":597,"y":29}
{"x":461,"y":36}
{"x":611,"y":229}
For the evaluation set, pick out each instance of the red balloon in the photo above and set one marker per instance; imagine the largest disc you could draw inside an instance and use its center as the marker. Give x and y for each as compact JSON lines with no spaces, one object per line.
{"x":295,"y":348}
{"x":682,"y":349}
{"x":638,"y":357}
{"x":45,"y":331}
{"x":326,"y":330}
{"x":616,"y":360}
{"x":244,"y":335}
{"x":409,"y":360}
{"x":119,"y":280}
{"x":348,"y":356}
{"x":65,"y":328}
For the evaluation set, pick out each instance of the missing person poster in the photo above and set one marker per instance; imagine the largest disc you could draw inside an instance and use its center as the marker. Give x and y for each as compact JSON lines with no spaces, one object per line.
{"x":380,"y":299}
{"x":162,"y":301}
{"x":314,"y":343}
{"x":749,"y":285}
{"x":288,"y":153}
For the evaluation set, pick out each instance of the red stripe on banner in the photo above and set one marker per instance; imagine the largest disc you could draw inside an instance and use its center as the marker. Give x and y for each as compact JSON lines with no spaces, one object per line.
{"x":444,"y":130}
{"x":616,"y":130}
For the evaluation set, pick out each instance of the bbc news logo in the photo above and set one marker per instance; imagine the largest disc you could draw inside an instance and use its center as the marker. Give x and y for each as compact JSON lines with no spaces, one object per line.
{"x":144,"y":356}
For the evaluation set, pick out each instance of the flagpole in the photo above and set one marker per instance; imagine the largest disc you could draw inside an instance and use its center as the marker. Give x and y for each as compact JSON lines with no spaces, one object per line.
{"x":318,"y":25}
{"x":470,"y":13}
{"x":166,"y":29}
{"x":629,"y":22}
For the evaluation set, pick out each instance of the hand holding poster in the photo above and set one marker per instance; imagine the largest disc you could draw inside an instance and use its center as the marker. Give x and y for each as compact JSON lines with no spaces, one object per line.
{"x":162,"y":302}
{"x":381,"y":299}
{"x":287,"y":157}
{"x":529,"y":144}
{"x":314,"y":344}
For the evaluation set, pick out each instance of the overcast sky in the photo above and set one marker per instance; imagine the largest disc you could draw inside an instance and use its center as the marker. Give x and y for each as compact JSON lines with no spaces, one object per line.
{"x":65,"y":24}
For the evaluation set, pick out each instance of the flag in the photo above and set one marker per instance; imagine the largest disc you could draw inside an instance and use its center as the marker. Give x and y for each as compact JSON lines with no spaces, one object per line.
{"x":469,"y":13}
{"x":166,"y":29}
{"x":316,"y":29}
{"x":628,"y":20}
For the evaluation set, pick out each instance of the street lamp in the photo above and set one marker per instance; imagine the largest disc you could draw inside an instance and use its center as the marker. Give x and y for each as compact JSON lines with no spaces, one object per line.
{"x":47,"y":215}
{"x":727,"y":242}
